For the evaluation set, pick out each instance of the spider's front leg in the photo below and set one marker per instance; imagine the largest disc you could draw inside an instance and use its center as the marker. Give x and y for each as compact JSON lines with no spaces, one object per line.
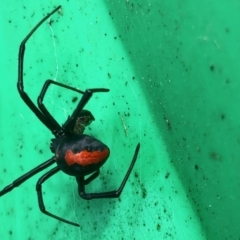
{"x":77,"y":112}
{"x":80,"y":118}
{"x":20,"y":83}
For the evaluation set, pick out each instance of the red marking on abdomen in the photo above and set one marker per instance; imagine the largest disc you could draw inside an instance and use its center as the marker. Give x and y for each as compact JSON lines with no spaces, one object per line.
{"x":85,"y":158}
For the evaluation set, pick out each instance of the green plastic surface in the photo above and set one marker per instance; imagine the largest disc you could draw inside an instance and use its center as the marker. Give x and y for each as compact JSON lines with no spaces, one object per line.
{"x":172,"y":68}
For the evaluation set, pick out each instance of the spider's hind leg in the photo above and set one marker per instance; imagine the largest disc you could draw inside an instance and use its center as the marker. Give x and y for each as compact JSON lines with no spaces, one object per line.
{"x":91,"y":178}
{"x":26,"y":176}
{"x":110,"y":194}
{"x":41,"y":180}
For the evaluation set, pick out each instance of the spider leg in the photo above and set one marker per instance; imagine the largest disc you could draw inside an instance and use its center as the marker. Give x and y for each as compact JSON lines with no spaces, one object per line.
{"x":111,"y":194}
{"x":85,"y":98}
{"x":40,"y":196}
{"x":50,"y":125}
{"x":26,"y":176}
{"x":42,"y":95}
{"x":92,"y":177}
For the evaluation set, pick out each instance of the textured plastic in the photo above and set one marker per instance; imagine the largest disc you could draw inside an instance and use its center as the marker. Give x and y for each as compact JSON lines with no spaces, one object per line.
{"x":173,"y":72}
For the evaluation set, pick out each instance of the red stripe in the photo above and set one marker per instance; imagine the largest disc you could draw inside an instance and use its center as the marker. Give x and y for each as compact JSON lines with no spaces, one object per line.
{"x":85,"y":158}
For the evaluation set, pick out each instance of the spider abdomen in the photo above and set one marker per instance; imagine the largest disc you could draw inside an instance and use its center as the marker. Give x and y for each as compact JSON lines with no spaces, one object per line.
{"x":80,"y":154}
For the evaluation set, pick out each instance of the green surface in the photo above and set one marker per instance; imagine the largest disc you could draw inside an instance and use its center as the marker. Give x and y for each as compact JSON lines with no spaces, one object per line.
{"x":173,"y":70}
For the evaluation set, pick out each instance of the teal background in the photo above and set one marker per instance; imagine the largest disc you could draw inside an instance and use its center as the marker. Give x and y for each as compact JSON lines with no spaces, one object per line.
{"x":173,"y":70}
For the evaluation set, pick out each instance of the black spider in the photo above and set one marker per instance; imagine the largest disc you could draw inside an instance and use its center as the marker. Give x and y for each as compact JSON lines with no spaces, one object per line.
{"x":75,"y":153}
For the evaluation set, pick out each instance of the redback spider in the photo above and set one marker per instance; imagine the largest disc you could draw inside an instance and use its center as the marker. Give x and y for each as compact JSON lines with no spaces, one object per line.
{"x":75,"y":153}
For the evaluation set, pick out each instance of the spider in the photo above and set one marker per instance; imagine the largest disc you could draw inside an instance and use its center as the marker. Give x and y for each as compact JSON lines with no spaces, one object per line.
{"x":75,"y":153}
